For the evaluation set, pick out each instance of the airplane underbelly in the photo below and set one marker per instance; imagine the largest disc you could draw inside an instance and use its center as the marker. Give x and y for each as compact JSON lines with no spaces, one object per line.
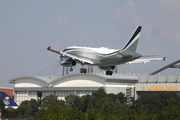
{"x":111,"y":61}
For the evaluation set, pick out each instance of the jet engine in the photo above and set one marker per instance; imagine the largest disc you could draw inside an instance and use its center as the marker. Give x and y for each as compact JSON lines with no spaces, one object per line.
{"x":68,"y":62}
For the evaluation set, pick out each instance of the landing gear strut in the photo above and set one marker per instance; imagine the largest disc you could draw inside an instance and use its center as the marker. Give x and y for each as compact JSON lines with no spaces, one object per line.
{"x":108,"y":72}
{"x":83,"y":70}
{"x":71,"y":69}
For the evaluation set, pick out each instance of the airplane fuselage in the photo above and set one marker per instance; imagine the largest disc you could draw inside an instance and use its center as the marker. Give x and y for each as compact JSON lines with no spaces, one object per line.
{"x":99,"y":56}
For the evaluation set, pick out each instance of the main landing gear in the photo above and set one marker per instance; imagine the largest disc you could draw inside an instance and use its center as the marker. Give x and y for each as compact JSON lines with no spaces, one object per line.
{"x":71,"y":69}
{"x":108,"y":72}
{"x":83,"y":70}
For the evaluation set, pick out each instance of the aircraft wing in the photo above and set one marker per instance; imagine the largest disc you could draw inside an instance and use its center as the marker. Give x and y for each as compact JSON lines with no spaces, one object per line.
{"x":145,"y":60}
{"x":80,"y":59}
{"x":55,"y":51}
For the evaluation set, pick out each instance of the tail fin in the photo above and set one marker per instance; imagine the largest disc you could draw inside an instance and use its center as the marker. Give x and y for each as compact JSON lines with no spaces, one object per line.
{"x":8,"y":101}
{"x":132,"y":43}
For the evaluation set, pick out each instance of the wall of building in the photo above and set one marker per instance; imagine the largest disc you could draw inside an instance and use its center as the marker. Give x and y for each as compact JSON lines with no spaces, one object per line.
{"x":157,"y":83}
{"x":8,"y":91}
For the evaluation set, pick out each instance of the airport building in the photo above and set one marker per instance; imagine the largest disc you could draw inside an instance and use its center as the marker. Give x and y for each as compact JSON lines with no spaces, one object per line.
{"x":27,"y":88}
{"x":133,"y":86}
{"x":151,"y":84}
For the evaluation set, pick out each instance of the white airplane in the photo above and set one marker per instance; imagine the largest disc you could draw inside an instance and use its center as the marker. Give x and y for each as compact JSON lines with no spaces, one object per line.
{"x":102,"y":57}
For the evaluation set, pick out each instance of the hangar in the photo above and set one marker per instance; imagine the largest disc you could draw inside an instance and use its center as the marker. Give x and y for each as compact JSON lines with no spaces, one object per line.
{"x":132,"y":86}
{"x":27,"y":88}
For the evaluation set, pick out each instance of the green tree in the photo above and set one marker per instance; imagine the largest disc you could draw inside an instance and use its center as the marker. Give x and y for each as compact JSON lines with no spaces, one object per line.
{"x":51,"y":102}
{"x":28,"y":112}
{"x":156,"y":102}
{"x":74,"y":101}
{"x":88,"y":102}
{"x":106,"y":106}
{"x":34,"y":106}
{"x":94,"y":114}
{"x":120,"y":96}
{"x":2,"y":106}
{"x":100,"y":93}
{"x":9,"y":112}
{"x":22,"y":108}
{"x":70,"y":99}
{"x":27,"y":109}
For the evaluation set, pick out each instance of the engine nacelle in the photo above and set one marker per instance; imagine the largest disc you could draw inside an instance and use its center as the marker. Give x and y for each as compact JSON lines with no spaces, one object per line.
{"x":67,"y":62}
{"x":106,"y":67}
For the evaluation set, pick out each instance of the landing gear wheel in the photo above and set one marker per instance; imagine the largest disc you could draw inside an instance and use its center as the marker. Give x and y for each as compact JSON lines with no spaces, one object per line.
{"x":109,"y":72}
{"x":83,"y":70}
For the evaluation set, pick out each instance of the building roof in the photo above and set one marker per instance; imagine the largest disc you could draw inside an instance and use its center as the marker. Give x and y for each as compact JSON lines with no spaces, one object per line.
{"x":47,"y":81}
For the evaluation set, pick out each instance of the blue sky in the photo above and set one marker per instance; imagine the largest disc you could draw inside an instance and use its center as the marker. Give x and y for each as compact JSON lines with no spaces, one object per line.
{"x":28,"y":27}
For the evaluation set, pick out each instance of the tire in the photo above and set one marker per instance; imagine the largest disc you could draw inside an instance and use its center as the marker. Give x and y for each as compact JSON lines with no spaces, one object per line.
{"x":85,"y":70}
{"x":81,"y":70}
{"x":107,"y":72}
{"x":110,"y":72}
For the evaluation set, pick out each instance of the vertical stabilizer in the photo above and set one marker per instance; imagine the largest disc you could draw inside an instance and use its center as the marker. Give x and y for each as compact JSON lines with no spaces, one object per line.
{"x":132,"y":43}
{"x":8,"y":101}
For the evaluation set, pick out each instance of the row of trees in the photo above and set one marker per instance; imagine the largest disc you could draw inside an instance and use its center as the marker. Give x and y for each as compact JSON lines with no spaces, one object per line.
{"x":99,"y":106}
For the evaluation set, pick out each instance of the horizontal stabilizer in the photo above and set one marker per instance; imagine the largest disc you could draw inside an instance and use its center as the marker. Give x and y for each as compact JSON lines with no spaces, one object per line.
{"x":149,"y":55}
{"x":146,"y":60}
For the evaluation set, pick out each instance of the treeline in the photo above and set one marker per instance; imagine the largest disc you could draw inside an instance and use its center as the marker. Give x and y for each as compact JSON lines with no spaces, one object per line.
{"x":98,"y":106}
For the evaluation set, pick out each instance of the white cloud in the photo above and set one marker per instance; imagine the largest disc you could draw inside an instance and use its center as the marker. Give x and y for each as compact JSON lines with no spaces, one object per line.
{"x":12,"y":64}
{"x":168,"y":18}
{"x":62,"y":21}
{"x":127,"y":13}
{"x":170,"y":5}
{"x":57,"y":44}
{"x":160,"y":21}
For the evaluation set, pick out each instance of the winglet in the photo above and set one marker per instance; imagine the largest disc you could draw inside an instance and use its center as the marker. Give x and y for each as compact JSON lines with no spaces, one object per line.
{"x":49,"y":48}
{"x":164,"y":58}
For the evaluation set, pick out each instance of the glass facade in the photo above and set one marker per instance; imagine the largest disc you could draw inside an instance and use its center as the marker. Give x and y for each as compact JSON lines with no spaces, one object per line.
{"x":25,"y":95}
{"x":28,"y":95}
